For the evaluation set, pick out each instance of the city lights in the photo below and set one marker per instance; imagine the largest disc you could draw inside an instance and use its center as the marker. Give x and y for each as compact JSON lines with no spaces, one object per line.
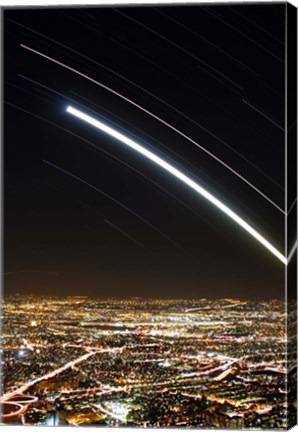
{"x":140,"y":362}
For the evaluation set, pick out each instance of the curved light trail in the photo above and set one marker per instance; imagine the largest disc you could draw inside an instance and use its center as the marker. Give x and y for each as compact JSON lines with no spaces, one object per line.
{"x":160,"y":120}
{"x":178,"y":174}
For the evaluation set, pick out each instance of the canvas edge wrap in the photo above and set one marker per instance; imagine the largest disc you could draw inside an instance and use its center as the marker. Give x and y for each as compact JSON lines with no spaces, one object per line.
{"x":291,"y":209}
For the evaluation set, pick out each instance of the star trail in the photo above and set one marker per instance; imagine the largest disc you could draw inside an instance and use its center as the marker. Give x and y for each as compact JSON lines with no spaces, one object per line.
{"x":163,"y":164}
{"x":206,"y":107}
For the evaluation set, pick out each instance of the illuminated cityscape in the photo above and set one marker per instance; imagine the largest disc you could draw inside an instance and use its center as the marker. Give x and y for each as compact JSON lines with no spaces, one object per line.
{"x":136,"y":362}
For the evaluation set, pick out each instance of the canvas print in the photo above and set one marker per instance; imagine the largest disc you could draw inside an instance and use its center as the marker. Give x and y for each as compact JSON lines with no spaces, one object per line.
{"x":149,"y":216}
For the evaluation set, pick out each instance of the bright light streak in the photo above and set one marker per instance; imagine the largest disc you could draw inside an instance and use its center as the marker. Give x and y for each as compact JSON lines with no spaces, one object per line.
{"x":178,"y":174}
{"x":151,"y":114}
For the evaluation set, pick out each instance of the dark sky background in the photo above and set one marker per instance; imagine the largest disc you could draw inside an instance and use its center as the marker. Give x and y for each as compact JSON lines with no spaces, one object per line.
{"x":216,"y":73}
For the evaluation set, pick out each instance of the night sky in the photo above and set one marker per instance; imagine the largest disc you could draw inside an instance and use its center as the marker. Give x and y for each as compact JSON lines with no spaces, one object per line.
{"x":85,"y":215}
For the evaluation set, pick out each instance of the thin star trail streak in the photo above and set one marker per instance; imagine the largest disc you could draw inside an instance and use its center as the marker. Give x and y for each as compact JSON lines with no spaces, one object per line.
{"x":158,"y":119}
{"x":112,"y":199}
{"x":90,"y":102}
{"x":178,"y":174}
{"x":256,"y":25}
{"x":254,"y":74}
{"x":217,"y":16}
{"x":180,"y":157}
{"x":128,"y":236}
{"x":214,"y":71}
{"x":26,"y":91}
{"x":208,"y":42}
{"x":126,"y":165}
{"x":33,"y":115}
{"x":162,"y":121}
{"x":253,"y":107}
{"x":110,"y":113}
{"x":146,"y":178}
{"x":158,"y":66}
{"x":93,"y":145}
{"x":137,"y":53}
{"x":42,"y":85}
